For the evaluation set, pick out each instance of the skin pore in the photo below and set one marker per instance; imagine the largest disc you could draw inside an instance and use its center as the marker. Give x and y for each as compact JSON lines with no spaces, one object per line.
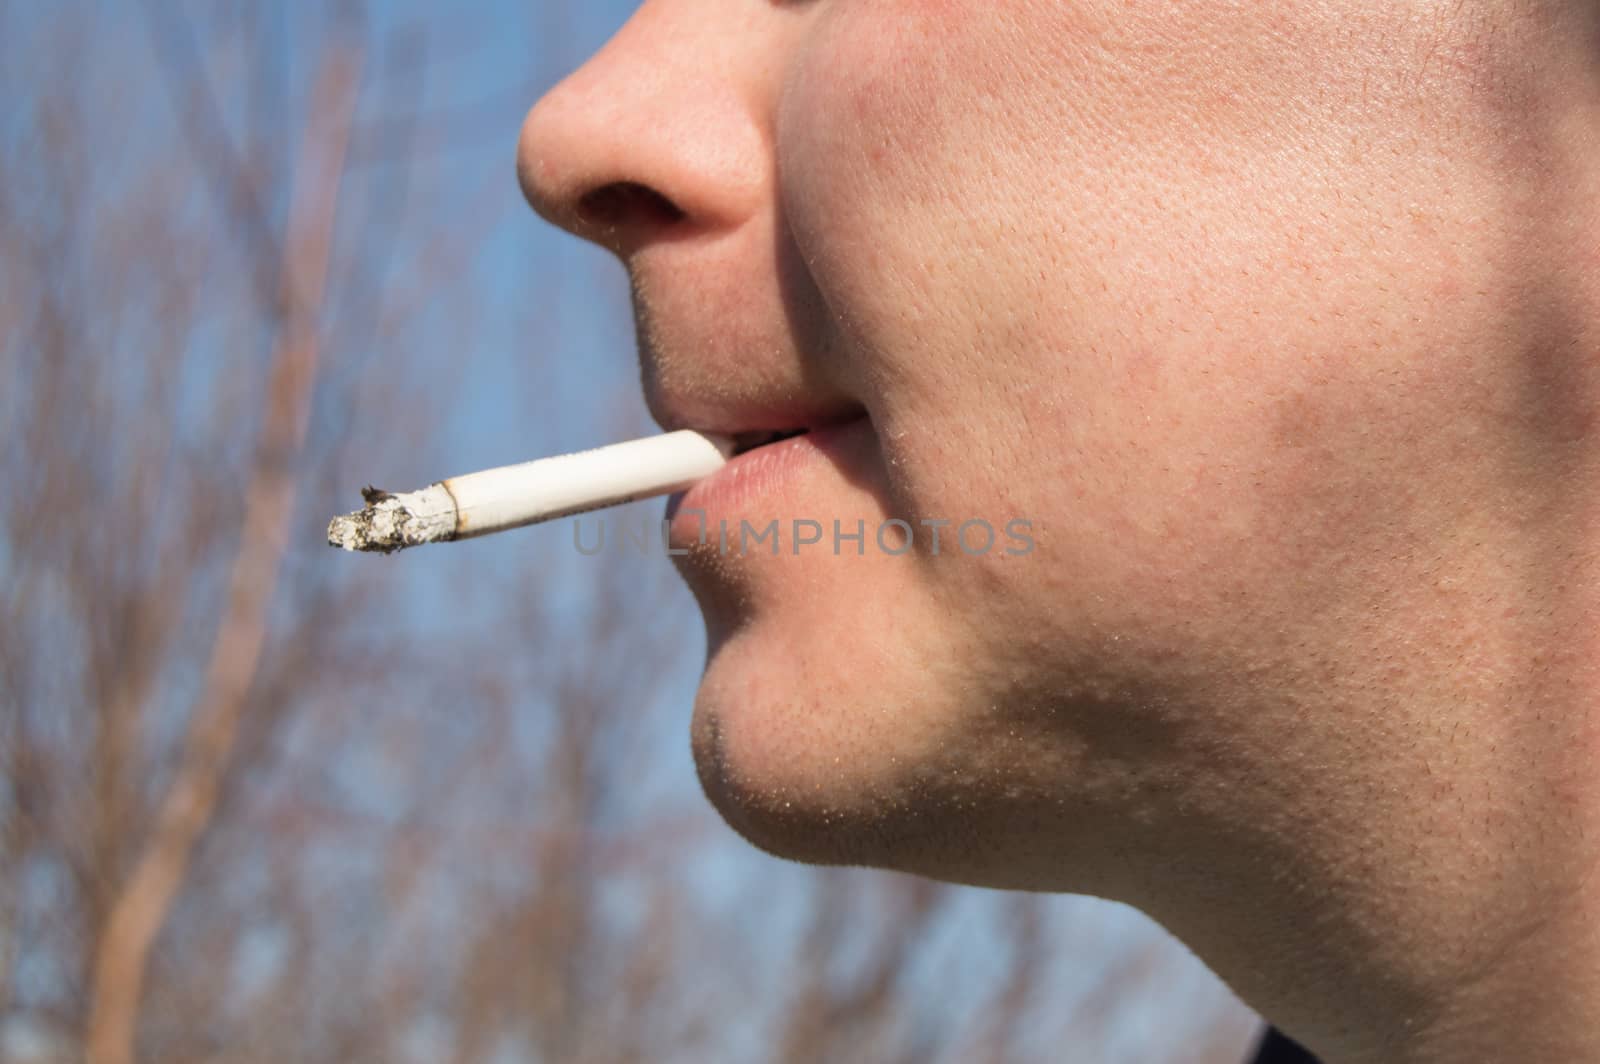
{"x":1280,"y":325}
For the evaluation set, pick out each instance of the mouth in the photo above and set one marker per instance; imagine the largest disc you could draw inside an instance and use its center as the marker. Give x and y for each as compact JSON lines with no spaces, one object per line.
{"x":762,"y":473}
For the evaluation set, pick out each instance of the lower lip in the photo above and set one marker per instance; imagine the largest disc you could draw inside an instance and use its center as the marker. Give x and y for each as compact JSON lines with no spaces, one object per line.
{"x":762,"y":474}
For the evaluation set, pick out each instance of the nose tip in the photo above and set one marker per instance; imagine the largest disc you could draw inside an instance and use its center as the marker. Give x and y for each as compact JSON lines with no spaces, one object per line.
{"x":634,"y":145}
{"x":574,"y":180}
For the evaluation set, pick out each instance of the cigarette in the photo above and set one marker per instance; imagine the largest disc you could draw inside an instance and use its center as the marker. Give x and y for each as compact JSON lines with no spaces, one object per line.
{"x":480,"y":504}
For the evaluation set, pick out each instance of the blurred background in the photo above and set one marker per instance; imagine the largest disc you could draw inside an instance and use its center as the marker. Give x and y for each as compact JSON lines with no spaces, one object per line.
{"x":265,"y":801}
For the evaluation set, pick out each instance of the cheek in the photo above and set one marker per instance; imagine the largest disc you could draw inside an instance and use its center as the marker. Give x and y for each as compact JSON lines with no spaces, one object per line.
{"x":1080,"y":252}
{"x":866,"y":96}
{"x":874,"y":180}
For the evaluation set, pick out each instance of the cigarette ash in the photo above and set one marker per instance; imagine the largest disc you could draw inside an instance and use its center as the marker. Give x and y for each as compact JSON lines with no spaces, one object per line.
{"x":394,"y":522}
{"x":378,"y":527}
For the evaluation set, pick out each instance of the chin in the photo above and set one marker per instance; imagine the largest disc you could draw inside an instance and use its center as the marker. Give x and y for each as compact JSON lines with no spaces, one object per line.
{"x":806,"y":764}
{"x":890,"y":761}
{"x":867,"y":762}
{"x":871,"y":813}
{"x":762,"y":753}
{"x":780,"y":823}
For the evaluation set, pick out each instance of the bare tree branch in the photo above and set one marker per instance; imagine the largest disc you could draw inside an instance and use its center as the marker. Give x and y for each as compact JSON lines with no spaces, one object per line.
{"x":141,"y":908}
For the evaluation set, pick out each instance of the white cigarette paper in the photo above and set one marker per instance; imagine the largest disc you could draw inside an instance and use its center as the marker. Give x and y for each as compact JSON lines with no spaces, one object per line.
{"x":478,"y":504}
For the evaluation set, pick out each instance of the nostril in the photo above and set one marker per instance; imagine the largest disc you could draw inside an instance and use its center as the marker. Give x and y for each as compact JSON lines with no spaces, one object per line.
{"x":625,"y":203}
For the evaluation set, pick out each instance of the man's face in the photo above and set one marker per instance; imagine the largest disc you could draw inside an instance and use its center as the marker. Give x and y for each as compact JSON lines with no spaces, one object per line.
{"x":1210,"y":294}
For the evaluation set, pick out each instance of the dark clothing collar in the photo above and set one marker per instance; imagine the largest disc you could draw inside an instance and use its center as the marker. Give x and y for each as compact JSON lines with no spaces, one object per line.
{"x":1276,"y":1047}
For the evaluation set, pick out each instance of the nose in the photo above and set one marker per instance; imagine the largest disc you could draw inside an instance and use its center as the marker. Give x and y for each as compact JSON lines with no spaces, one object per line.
{"x":663,"y":131}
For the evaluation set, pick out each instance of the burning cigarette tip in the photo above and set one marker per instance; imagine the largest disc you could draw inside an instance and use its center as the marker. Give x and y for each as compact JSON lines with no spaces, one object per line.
{"x":392,"y":522}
